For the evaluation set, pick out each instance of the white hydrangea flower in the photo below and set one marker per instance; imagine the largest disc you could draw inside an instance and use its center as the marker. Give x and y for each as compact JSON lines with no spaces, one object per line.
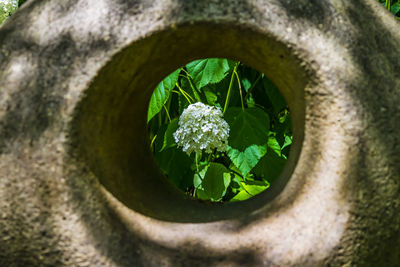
{"x":9,"y":5}
{"x":202,"y":127}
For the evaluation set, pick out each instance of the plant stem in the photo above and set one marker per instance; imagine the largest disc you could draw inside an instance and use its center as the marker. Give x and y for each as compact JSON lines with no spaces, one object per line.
{"x":197,"y":163}
{"x":228,"y":96}
{"x":187,"y":73}
{"x":186,"y":95}
{"x":189,"y":78}
{"x":253,"y":85}
{"x":240,"y":88}
{"x":388,"y":4}
{"x":152,"y":142}
{"x":166,"y":110}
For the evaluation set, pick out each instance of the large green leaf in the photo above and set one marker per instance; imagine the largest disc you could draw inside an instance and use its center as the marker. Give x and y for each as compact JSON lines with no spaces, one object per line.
{"x":270,"y":166}
{"x":247,"y":127}
{"x":246,"y":160}
{"x":250,"y":189}
{"x":161,"y":94}
{"x":176,"y":165}
{"x":205,"y":71}
{"x":211,"y":183}
{"x":395,"y":8}
{"x":277,"y":100}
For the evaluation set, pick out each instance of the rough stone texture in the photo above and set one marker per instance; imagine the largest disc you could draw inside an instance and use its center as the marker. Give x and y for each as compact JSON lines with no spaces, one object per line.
{"x":78,"y":186}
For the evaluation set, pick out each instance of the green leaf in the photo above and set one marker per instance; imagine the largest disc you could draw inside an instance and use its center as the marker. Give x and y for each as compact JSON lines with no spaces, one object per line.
{"x":286,"y":145}
{"x":395,"y":8}
{"x":176,"y":165}
{"x":205,"y":71}
{"x":161,"y":94}
{"x":247,"y":127}
{"x":21,"y":2}
{"x":199,"y":177}
{"x":169,"y":140}
{"x":246,"y":84}
{"x":270,"y":166}
{"x":250,"y":189}
{"x":283,"y":129}
{"x":215,"y":93}
{"x":277,"y":100}
{"x":210,"y":96}
{"x":242,"y":195}
{"x":274,"y":145}
{"x":236,"y":181}
{"x":288,"y":141}
{"x":245,"y":161}
{"x":251,"y":103}
{"x":248,"y":76}
{"x":213,"y":184}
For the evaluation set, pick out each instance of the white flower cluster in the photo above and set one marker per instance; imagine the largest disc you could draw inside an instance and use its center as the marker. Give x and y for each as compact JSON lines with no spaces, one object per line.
{"x":202,"y":127}
{"x":9,"y":5}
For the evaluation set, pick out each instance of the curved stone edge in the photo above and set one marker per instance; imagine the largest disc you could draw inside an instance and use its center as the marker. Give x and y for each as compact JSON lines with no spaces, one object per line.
{"x":385,"y":174}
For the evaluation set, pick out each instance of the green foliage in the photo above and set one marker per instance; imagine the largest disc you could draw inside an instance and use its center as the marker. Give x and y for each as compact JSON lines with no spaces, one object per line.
{"x":161,"y":94}
{"x":393,"y":6}
{"x":259,"y":138}
{"x":248,"y":126}
{"x":212,"y":182}
{"x":7,"y":8}
{"x":246,"y":160}
{"x":176,"y":164}
{"x":206,"y":71}
{"x":250,"y":188}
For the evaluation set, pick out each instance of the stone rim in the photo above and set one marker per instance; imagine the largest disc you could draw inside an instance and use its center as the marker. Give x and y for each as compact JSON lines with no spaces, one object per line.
{"x":170,"y":204}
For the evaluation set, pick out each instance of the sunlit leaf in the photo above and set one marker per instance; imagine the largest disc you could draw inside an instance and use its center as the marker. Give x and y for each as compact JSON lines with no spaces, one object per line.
{"x":288,"y":141}
{"x":246,"y":160}
{"x":395,"y":8}
{"x":205,"y":71}
{"x":274,"y":145}
{"x":250,"y":189}
{"x":161,"y":94}
{"x":212,"y":184}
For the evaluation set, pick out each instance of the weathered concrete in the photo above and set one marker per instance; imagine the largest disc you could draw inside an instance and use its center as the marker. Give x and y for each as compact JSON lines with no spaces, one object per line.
{"x":78,"y":185}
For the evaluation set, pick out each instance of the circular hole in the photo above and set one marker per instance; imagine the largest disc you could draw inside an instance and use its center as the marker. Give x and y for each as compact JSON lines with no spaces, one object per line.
{"x":109,"y":133}
{"x":219,"y":130}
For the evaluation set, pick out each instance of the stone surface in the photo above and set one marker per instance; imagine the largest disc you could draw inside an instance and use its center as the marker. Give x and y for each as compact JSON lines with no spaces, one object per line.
{"x":79,"y":187}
